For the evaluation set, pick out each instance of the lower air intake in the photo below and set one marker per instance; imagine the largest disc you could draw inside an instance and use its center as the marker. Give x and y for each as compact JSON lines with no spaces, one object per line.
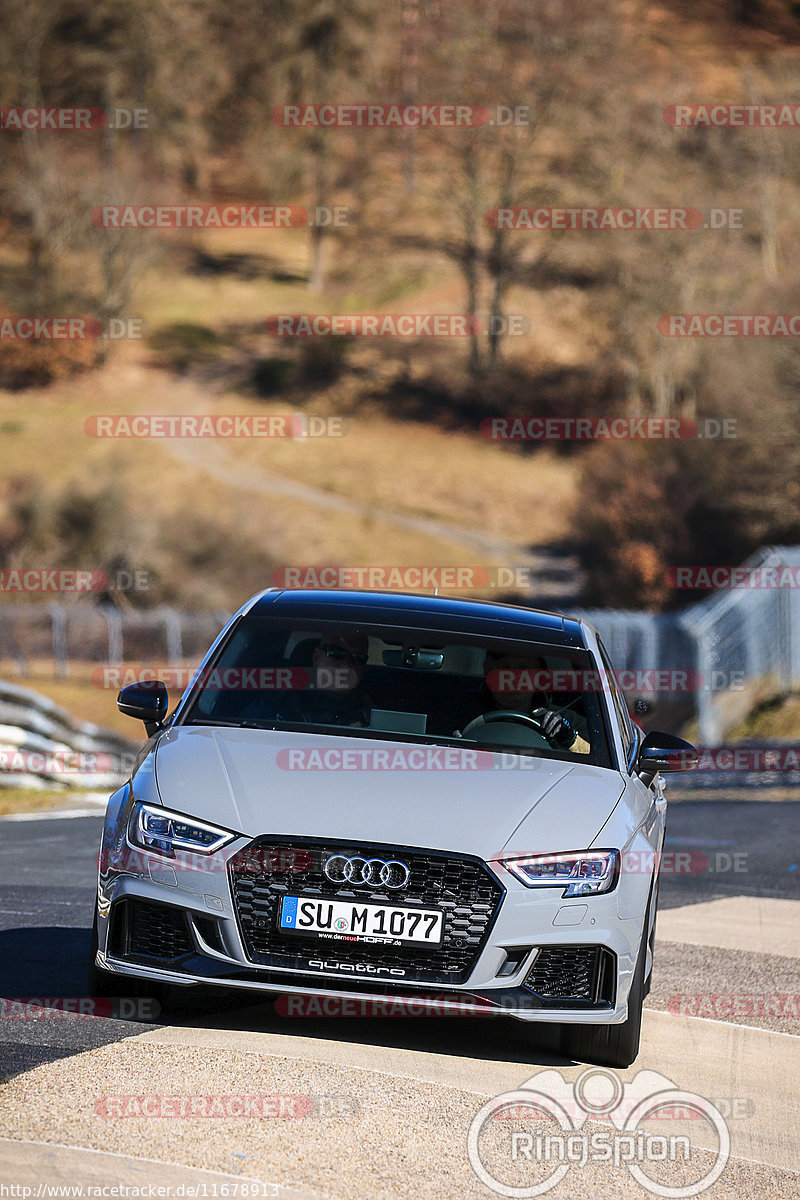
{"x":572,"y":974}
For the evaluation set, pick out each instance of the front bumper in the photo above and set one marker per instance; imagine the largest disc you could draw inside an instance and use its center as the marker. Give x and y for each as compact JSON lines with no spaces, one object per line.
{"x":536,"y":957}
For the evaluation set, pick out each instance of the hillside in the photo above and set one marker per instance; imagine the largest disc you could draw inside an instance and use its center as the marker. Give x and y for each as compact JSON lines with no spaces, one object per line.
{"x":411,"y":481}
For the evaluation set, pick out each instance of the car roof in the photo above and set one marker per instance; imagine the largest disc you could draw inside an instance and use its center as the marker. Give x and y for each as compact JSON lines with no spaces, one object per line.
{"x":413,"y":611}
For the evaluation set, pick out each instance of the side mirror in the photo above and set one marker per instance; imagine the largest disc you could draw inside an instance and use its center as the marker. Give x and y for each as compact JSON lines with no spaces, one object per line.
{"x":665,"y":752}
{"x":147,"y":702}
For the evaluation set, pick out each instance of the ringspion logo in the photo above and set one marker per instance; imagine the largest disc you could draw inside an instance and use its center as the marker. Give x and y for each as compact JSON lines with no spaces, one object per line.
{"x":561,"y":1140}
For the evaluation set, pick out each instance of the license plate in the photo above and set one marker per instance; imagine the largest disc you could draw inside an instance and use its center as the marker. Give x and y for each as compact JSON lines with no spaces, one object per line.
{"x":346,"y":920}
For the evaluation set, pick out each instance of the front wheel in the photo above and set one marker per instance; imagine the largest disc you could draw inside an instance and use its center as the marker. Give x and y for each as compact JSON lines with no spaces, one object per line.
{"x":611,"y":1045}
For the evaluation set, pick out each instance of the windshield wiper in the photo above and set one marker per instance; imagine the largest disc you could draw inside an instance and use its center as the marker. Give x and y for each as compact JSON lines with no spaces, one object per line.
{"x":211,"y":721}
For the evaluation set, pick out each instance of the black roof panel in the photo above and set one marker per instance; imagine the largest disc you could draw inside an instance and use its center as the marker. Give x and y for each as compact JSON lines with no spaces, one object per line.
{"x":441,"y":613}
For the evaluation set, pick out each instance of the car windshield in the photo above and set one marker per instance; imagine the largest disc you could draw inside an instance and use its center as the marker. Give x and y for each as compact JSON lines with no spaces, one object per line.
{"x":406,"y":685}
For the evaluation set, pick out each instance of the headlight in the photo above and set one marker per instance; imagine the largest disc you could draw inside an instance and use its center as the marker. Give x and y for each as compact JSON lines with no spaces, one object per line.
{"x":165,"y":832}
{"x":581,"y":873}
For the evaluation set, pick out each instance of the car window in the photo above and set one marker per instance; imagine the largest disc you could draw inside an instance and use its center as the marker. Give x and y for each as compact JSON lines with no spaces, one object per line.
{"x":405,"y":684}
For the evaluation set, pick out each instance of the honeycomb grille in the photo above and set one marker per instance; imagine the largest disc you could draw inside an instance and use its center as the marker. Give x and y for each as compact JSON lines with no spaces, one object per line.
{"x":150,"y":930}
{"x":463,"y":888}
{"x":569,"y":973}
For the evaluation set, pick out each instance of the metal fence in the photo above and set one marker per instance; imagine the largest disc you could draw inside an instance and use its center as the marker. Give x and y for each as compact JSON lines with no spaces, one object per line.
{"x":738,"y":646}
{"x":70,"y":633}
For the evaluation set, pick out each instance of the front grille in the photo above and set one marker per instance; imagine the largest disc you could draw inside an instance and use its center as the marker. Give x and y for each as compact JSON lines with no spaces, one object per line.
{"x":144,"y":929}
{"x":572,"y":973}
{"x":463,"y":888}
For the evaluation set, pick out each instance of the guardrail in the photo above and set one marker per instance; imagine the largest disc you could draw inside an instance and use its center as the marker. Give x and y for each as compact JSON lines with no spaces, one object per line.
{"x":42,"y":745}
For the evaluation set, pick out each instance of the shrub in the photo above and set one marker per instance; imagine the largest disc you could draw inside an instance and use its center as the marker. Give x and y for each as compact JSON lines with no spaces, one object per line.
{"x":184,"y":344}
{"x":271,"y":375}
{"x":27,"y":363}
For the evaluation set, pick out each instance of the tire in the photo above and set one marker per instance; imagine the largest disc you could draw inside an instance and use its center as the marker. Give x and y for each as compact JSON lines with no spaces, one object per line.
{"x":613,"y":1045}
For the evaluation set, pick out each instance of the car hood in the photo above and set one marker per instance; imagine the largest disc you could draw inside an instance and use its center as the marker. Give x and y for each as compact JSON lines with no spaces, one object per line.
{"x":241,"y":779}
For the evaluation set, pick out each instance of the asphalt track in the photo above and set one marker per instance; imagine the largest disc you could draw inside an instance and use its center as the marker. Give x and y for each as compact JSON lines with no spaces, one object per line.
{"x":382,"y":1107}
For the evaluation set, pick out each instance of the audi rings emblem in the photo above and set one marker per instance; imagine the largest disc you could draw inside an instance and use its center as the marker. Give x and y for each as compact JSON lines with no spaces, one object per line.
{"x":367,"y":871}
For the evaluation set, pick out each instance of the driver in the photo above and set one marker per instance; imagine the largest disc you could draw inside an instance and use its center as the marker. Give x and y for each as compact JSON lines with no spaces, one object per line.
{"x":558,"y":724}
{"x":331,"y":693}
{"x":339,"y":697}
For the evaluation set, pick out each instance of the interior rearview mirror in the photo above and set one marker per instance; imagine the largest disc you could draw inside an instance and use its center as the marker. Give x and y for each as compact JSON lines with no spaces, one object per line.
{"x":414,"y":657}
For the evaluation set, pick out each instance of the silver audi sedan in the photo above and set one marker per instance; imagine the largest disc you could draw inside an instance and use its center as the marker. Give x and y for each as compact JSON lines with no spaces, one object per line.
{"x":373,"y":802}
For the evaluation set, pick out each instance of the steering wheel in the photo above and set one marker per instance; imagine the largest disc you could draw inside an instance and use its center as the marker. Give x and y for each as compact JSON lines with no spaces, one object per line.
{"x":518,"y":717}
